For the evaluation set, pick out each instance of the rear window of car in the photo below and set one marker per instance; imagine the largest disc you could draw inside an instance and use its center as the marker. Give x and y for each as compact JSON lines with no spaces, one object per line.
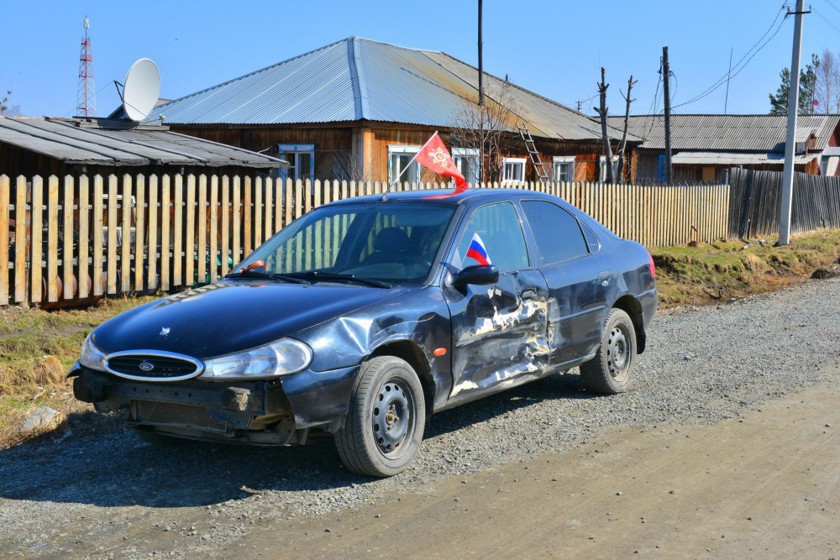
{"x":558,"y":234}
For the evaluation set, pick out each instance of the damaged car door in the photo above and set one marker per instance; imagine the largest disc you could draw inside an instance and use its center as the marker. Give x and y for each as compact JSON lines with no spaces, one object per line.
{"x":578,"y":285}
{"x":498,"y":330}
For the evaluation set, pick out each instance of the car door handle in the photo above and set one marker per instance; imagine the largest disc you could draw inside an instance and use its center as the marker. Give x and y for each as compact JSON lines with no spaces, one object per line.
{"x":528,"y":294}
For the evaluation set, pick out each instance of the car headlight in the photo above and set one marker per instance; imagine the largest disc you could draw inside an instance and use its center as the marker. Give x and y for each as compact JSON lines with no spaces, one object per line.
{"x":91,"y":356}
{"x":278,"y":358}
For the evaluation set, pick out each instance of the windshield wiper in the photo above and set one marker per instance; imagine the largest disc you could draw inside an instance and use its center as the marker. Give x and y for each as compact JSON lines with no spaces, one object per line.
{"x":319,"y":275}
{"x":266,"y":276}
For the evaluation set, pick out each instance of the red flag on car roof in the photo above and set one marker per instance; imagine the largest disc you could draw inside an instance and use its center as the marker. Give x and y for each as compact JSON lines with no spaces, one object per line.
{"x":435,"y":157}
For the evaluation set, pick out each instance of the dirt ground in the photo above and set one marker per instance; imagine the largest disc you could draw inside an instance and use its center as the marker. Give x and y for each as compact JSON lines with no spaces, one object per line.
{"x":764,"y":485}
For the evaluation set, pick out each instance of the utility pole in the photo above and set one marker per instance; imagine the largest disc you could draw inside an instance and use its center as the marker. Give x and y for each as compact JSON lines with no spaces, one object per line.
{"x":480,"y":61}
{"x":790,"y":141}
{"x":666,"y":88}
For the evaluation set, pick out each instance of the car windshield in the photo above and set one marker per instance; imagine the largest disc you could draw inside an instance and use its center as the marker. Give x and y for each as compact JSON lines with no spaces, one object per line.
{"x":366,"y":243}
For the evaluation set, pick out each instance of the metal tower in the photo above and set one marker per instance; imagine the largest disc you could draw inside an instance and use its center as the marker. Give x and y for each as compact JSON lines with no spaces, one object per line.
{"x":86,"y":98}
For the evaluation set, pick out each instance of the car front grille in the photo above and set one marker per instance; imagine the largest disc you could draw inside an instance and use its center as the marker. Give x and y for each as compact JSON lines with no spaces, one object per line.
{"x":153,"y":367}
{"x":175,"y":415}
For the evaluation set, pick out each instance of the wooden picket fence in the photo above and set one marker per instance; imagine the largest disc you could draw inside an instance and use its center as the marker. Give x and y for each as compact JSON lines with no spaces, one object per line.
{"x":74,"y":240}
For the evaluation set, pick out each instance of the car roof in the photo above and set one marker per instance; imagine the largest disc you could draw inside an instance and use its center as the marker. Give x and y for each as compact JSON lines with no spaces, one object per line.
{"x":469,"y":197}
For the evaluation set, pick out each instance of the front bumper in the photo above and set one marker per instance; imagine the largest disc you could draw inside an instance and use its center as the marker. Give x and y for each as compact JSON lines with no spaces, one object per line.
{"x":277,"y":412}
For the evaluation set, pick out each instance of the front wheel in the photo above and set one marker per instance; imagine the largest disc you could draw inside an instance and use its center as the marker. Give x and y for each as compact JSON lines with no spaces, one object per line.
{"x":611,"y":370}
{"x":385,"y":423}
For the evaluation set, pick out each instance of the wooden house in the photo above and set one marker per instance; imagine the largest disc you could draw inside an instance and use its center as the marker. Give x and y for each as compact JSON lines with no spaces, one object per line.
{"x":361,"y":109}
{"x":704,"y":147}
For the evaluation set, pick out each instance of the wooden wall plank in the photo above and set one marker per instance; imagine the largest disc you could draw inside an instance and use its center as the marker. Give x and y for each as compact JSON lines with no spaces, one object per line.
{"x":201,"y":223}
{"x":165,"y":233}
{"x":225,"y":234}
{"x":139,"y":232}
{"x":5,"y":193}
{"x":36,"y":240}
{"x":259,"y":189}
{"x":67,"y":257}
{"x":99,"y":280}
{"x":125,"y":256}
{"x":152,"y":255}
{"x":237,"y":221}
{"x":247,"y":212}
{"x":189,"y":236}
{"x":84,"y":237}
{"x":214,"y":228}
{"x":52,"y":238}
{"x":22,"y":222}
{"x":178,"y":234}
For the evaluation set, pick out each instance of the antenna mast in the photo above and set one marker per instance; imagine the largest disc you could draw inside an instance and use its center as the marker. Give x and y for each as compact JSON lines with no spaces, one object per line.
{"x":86,"y":98}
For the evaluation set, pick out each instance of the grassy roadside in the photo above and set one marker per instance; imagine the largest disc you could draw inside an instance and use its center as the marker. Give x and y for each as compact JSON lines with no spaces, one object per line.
{"x":723,"y":270}
{"x":38,"y":347}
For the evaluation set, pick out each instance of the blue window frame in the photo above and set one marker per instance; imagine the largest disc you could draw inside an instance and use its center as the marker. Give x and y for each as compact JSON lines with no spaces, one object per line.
{"x":301,"y":158}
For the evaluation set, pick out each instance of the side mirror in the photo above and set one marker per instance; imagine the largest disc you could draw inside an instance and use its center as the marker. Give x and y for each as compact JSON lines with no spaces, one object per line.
{"x":479,"y":275}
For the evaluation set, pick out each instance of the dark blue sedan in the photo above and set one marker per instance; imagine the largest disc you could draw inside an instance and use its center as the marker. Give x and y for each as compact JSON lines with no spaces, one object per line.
{"x":367,"y":315}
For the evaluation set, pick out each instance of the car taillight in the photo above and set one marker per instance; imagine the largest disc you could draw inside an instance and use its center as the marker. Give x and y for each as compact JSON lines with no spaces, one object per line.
{"x":652,"y":266}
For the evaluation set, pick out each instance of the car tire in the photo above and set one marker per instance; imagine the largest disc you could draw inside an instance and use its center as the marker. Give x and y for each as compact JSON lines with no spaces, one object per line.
{"x":385,"y":422}
{"x":611,"y":370}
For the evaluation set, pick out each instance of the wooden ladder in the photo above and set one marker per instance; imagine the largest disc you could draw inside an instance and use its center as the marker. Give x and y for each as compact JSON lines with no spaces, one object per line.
{"x":525,"y":134}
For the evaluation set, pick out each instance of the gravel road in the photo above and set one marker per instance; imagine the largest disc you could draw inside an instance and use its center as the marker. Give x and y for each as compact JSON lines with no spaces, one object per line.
{"x":114,"y":496}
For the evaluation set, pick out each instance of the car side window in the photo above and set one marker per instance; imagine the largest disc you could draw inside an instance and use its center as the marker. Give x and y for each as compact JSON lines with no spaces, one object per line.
{"x":558,"y":234}
{"x":498,"y":228}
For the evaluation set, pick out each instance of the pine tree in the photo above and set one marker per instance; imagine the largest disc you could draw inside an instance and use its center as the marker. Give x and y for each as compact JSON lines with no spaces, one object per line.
{"x":807,"y":89}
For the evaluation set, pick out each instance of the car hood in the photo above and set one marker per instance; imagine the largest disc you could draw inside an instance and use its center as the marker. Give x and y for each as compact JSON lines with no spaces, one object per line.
{"x":231,"y":316}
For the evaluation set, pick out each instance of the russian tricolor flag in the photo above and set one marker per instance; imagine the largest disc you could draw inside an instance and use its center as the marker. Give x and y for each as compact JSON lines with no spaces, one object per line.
{"x":477,"y":251}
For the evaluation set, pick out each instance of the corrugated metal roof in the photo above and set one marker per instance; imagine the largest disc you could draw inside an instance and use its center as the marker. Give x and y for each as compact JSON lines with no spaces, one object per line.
{"x":112,"y":143}
{"x":736,"y":158}
{"x":356,"y":79}
{"x":764,"y":133}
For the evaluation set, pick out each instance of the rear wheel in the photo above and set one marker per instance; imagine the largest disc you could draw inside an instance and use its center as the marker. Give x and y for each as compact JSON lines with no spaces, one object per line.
{"x":385,"y":423}
{"x":611,"y":370}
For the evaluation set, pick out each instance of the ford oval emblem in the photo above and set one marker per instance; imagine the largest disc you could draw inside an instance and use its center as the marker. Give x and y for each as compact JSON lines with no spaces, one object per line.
{"x":146,"y":366}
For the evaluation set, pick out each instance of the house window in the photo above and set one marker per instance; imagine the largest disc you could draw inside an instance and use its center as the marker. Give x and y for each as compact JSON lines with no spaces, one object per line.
{"x":467,"y":161}
{"x":513,"y":170}
{"x":602,"y":164}
{"x":301,"y":158}
{"x":400,"y":165}
{"x":660,"y":168}
{"x":563,"y":168}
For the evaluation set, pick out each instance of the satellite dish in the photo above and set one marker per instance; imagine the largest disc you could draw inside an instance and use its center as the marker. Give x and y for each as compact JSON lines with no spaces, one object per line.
{"x":141,"y":89}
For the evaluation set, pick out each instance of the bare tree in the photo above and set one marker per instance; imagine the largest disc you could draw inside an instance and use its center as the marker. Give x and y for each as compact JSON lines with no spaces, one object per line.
{"x":6,"y":109}
{"x":828,"y":82}
{"x":602,"y":111}
{"x":623,"y":144}
{"x":487,"y":128}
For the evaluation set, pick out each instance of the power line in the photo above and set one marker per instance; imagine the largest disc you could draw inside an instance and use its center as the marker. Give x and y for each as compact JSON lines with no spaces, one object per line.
{"x":830,"y":3}
{"x":742,"y":63}
{"x":826,"y":20}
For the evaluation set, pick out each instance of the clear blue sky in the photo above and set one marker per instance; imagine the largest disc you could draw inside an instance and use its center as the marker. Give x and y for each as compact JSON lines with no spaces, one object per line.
{"x":555,"y":48}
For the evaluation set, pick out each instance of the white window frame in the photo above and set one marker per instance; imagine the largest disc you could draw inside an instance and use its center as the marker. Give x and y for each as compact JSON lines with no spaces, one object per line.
{"x":602,"y":168}
{"x":563,"y":160}
{"x":297,"y":150}
{"x":459,"y":154}
{"x":403,"y":149}
{"x":512,"y":162}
